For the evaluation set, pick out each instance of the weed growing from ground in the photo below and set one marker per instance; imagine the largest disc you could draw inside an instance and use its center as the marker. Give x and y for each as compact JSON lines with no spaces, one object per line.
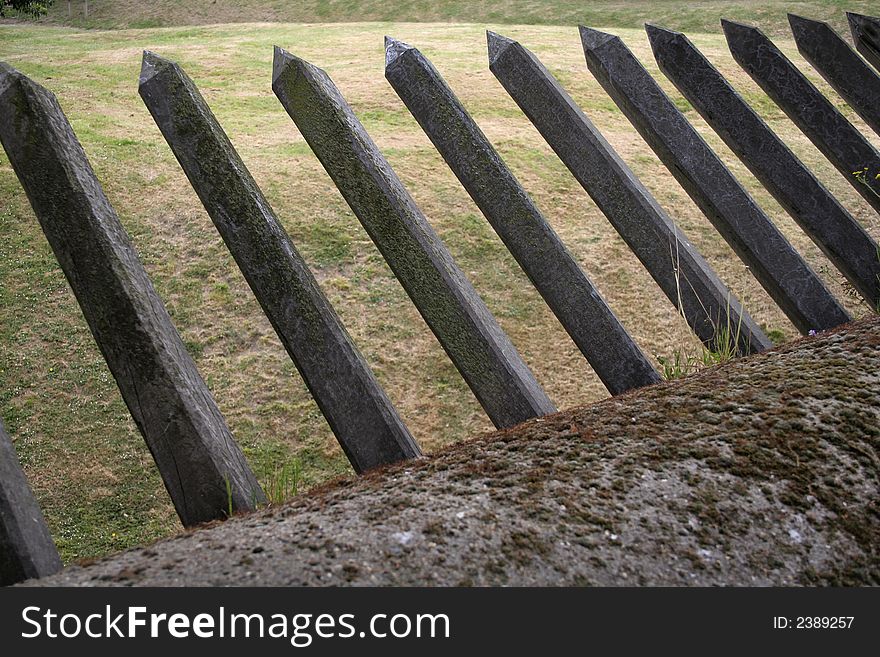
{"x":283,"y":484}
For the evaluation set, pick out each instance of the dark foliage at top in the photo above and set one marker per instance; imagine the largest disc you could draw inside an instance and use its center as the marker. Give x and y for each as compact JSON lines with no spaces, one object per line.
{"x":25,"y":7}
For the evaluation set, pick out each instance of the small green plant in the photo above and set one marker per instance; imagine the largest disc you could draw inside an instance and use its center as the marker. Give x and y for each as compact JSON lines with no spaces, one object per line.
{"x":677,"y":365}
{"x":723,"y":347}
{"x":283,"y":484}
{"x":777,"y":336}
{"x":681,"y":364}
{"x":864,"y":177}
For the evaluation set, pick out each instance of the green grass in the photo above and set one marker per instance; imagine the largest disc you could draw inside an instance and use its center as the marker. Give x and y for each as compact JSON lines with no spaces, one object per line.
{"x":682,"y":363}
{"x":87,"y":463}
{"x":700,"y":16}
{"x":284,"y":483}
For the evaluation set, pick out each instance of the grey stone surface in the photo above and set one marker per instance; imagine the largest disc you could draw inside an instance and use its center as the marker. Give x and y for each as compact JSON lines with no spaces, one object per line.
{"x":676,"y":266}
{"x":613,"y":354}
{"x":817,"y":212}
{"x":360,"y":414}
{"x":844,"y":146}
{"x":866,"y":35}
{"x":482,"y":352}
{"x":737,"y":217}
{"x":170,"y":403}
{"x":840,"y":65}
{"x":26,"y":547}
{"x":762,"y":471}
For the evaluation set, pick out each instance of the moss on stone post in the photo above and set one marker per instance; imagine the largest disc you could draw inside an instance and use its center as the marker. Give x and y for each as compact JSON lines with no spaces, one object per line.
{"x":469,"y":333}
{"x":203,"y":469}
{"x":359,"y":412}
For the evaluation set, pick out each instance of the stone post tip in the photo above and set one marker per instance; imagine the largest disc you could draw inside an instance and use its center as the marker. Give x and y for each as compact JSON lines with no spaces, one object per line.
{"x":659,"y":35}
{"x":800,"y":25}
{"x":280,"y":61}
{"x":852,"y":16}
{"x":7,"y":76}
{"x":151,"y":63}
{"x":795,"y":18}
{"x":592,"y":39}
{"x":733,"y":27}
{"x":497,"y":45}
{"x":394,"y":49}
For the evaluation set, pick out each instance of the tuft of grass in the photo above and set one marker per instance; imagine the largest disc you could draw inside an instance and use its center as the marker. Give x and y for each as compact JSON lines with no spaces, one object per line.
{"x":777,"y":336}
{"x":677,"y":365}
{"x":284,"y":483}
{"x":722,"y":348}
{"x":726,"y":344}
{"x":682,"y":363}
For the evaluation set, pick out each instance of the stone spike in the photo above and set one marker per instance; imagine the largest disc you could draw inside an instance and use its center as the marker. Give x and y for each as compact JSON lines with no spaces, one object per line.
{"x":840,"y":65}
{"x":734,"y":213}
{"x":497,"y":44}
{"x":447,"y":301}
{"x":866,"y":35}
{"x":611,"y":351}
{"x":360,"y":414}
{"x":676,"y":266}
{"x":278,"y":61}
{"x":840,"y":237}
{"x":592,"y":39}
{"x":26,"y":547}
{"x":658,"y":32}
{"x":201,"y":466}
{"x":394,"y":49}
{"x":844,"y":146}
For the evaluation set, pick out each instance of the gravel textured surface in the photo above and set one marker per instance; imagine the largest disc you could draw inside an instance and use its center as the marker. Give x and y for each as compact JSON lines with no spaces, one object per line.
{"x":762,"y":471}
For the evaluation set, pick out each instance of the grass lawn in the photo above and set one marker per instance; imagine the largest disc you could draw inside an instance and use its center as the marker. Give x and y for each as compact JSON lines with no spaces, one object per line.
{"x":88,"y":465}
{"x":695,"y":16}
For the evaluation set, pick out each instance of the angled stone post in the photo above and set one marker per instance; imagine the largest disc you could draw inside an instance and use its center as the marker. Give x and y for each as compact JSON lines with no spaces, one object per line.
{"x":840,"y":237}
{"x":676,"y":266}
{"x":613,"y":354}
{"x":794,"y":286}
{"x":202,"y":467}
{"x":856,"y":82}
{"x":482,"y":352}
{"x":866,"y":35}
{"x":844,"y":146}
{"x":360,"y":414}
{"x":26,"y":547}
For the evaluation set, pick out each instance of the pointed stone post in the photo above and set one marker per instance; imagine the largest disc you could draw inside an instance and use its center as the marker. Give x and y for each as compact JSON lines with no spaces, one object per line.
{"x":613,"y":354}
{"x":360,"y":414}
{"x":866,"y":35}
{"x":26,"y":547}
{"x":844,"y":146}
{"x":202,"y":467}
{"x":840,"y":237}
{"x":687,"y":280}
{"x":840,"y":65}
{"x":481,"y":351}
{"x":770,"y":257}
